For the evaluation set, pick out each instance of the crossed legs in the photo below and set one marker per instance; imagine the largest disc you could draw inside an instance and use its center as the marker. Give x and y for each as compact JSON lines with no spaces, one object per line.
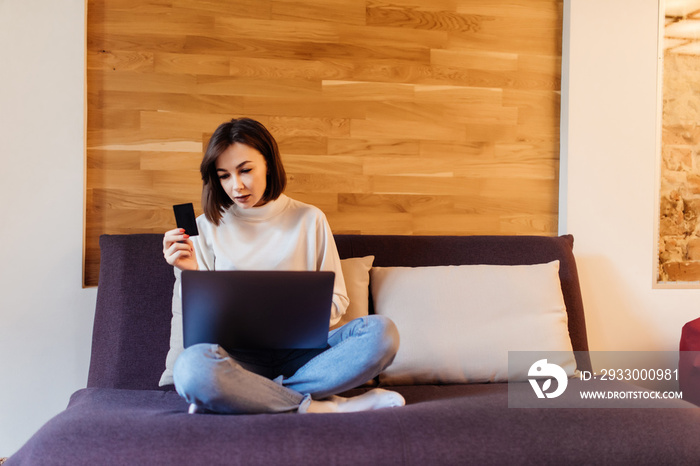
{"x":210,"y":379}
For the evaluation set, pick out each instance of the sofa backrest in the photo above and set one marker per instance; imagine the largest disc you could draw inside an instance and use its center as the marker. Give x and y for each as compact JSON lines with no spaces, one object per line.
{"x":131,"y":332}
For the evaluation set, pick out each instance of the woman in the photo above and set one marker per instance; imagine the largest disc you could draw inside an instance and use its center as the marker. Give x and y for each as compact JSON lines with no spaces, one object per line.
{"x":249,"y":224}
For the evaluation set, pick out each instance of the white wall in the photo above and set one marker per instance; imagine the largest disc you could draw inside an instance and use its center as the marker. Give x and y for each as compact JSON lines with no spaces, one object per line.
{"x":45,"y":314}
{"x":609,"y":146}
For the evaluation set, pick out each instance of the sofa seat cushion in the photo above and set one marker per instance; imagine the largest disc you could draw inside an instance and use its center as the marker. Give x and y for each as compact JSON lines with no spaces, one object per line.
{"x":441,"y":424}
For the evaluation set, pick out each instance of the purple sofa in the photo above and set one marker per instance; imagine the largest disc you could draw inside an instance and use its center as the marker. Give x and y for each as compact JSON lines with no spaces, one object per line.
{"x":123,"y":417}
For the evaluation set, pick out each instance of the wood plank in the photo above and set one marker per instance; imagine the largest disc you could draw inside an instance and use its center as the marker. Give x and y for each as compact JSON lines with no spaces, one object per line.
{"x":113,"y":159}
{"x":393,"y":203}
{"x":327,"y":11}
{"x":281,"y":126}
{"x":148,"y":220}
{"x":529,"y":225}
{"x":120,"y":60}
{"x":194,"y":124}
{"x":168,"y":102}
{"x":426,"y":185}
{"x":298,"y":50}
{"x":544,"y":11}
{"x":460,"y":167}
{"x":492,"y":133}
{"x":186,"y":161}
{"x":500,"y":206}
{"x":162,"y":139}
{"x":261,"y":9}
{"x":372,"y":147}
{"x":325,"y":183}
{"x":437,"y":149}
{"x":391,"y":14}
{"x":462,"y":95}
{"x":126,"y":199}
{"x":234,"y":86}
{"x":122,"y":179}
{"x":314,"y":164}
{"x":407,"y":129}
{"x":510,"y":34}
{"x":452,"y":224}
{"x":535,"y":190}
{"x":391,"y":37}
{"x":165,"y":21}
{"x":526,"y":150}
{"x":304,"y":145}
{"x":131,"y":81}
{"x":475,"y":59}
{"x":178,"y":181}
{"x":279,"y":68}
{"x":371,"y":223}
{"x":235,"y":27}
{"x":99,"y":40}
{"x":184,"y":63}
{"x":439,"y":111}
{"x":312,"y":107}
{"x":327,"y":203}
{"x":106,"y":118}
{"x":366,"y":91}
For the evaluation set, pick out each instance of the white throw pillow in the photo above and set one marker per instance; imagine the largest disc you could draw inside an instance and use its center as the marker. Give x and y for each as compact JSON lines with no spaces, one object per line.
{"x":457,"y":323}
{"x":355,"y":272}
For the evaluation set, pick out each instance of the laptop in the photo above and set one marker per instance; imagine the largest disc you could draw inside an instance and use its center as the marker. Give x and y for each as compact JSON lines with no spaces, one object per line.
{"x":257,"y":309}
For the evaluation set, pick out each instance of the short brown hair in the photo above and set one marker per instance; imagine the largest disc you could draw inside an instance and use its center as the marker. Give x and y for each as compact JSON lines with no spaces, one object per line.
{"x":253,"y":134}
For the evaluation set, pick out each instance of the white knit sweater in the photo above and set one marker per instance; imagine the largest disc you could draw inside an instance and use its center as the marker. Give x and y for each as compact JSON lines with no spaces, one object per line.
{"x":284,"y":234}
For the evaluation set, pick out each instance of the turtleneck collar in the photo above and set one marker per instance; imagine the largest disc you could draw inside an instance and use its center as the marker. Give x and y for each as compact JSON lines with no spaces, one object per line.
{"x":262,"y":213}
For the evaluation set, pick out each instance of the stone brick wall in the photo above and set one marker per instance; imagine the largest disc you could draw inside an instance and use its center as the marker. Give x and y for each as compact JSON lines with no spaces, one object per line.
{"x":679,"y":223}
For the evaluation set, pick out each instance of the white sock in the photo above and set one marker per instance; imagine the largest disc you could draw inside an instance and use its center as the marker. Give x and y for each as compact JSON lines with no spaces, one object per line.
{"x":377,"y":398}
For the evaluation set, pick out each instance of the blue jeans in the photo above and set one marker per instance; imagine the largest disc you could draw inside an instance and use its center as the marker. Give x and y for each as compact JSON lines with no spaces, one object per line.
{"x":273,"y":381}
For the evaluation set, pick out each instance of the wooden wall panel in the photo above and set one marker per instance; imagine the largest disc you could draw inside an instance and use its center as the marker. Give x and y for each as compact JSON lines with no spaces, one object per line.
{"x":400,"y":117}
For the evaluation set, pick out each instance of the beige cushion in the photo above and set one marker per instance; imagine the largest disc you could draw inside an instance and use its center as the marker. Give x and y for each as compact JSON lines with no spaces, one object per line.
{"x":457,"y":323}
{"x":176,"y":344}
{"x":355,"y":272}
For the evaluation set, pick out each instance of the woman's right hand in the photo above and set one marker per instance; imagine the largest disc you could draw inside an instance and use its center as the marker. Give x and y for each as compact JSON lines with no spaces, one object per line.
{"x":178,"y":250}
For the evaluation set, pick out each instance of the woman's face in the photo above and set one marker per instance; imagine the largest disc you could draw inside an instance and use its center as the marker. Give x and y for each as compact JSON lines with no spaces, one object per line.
{"x":242,"y":173}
